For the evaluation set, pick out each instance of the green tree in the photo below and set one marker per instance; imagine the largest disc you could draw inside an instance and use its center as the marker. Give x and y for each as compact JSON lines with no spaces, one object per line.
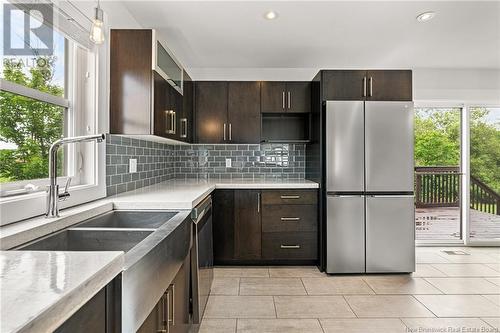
{"x":437,"y":137}
{"x":485,"y":148}
{"x":29,"y":124}
{"x":437,"y":142}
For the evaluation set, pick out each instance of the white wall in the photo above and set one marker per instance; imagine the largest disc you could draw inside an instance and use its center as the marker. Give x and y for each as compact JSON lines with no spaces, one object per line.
{"x":467,"y":85}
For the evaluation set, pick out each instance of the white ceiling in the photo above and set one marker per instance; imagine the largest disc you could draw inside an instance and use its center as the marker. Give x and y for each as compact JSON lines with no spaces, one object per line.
{"x":221,"y":37}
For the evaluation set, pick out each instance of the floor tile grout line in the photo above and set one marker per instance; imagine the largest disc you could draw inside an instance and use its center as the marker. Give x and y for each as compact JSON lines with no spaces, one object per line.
{"x":350,"y":307}
{"x":321,"y":325}
{"x":445,"y":275}
{"x":369,"y":286}
{"x":407,"y":328}
{"x":413,"y":296}
{"x":432,"y":284}
{"x":484,"y":321}
{"x":275,"y":310}
{"x":304,"y":286}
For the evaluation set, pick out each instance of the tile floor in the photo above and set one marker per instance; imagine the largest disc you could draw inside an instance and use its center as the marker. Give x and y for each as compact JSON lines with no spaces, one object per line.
{"x":445,"y":294}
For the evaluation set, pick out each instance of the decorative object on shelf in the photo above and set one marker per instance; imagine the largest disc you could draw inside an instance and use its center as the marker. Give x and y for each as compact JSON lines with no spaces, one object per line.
{"x":97,"y":30}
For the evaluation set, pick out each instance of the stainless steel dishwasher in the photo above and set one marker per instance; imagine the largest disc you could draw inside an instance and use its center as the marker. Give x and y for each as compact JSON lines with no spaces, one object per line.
{"x":202,"y":258}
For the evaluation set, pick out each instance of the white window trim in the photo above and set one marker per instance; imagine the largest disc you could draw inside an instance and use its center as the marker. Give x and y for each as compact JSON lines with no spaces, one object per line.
{"x":17,"y":208}
{"x":465,"y":171}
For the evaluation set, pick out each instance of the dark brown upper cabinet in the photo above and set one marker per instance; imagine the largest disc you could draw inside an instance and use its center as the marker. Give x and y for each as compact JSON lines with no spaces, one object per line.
{"x":273,"y":96}
{"x":243,"y":112}
{"x":374,"y":85}
{"x":344,"y":85}
{"x":389,"y":85}
{"x":211,"y":112}
{"x":278,"y":97}
{"x":185,"y":119}
{"x":144,"y":100}
{"x":227,"y":112}
{"x":130,"y":82}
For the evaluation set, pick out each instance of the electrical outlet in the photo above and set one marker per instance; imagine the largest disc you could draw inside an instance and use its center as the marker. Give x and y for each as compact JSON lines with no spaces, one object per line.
{"x":228,"y":162}
{"x":132,"y":165}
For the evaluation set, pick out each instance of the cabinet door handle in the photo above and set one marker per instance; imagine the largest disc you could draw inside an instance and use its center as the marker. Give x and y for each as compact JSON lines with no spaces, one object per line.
{"x":184,"y":129}
{"x":165,"y":300}
{"x":364,"y":86}
{"x":289,"y":100}
{"x":290,"y":246}
{"x":258,"y":202}
{"x":172,"y":305}
{"x":170,"y":121}
{"x":174,"y":122}
{"x":371,"y":86}
{"x":283,"y":100}
{"x":286,"y":219}
{"x":224,"y":131}
{"x":290,"y":197}
{"x":230,"y":132}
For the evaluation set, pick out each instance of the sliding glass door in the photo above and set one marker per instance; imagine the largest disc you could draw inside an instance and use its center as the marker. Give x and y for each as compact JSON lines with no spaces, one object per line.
{"x":438,"y":175}
{"x":484,"y":183}
{"x":457,"y":175}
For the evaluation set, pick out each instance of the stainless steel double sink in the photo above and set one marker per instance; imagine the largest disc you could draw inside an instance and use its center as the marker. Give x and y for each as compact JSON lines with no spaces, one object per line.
{"x":155,"y":245}
{"x":112,"y":231}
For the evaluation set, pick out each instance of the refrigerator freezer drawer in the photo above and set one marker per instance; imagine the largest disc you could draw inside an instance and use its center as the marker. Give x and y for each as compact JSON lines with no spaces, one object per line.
{"x":389,"y":146}
{"x":390,"y":234}
{"x":345,"y":234}
{"x":344,"y":146}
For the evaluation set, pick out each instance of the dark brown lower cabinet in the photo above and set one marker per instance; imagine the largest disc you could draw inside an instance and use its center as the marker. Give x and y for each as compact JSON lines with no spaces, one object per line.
{"x":247,"y":225}
{"x":223,"y":225}
{"x":101,"y":314}
{"x":260,"y":226}
{"x":179,"y":293}
{"x":171,"y":313}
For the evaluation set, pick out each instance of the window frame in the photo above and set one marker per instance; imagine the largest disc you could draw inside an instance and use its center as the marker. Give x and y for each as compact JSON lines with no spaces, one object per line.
{"x":77,"y":105}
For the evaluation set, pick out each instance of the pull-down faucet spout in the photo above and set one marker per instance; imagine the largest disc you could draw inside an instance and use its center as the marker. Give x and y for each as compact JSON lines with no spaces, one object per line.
{"x":53,"y":195}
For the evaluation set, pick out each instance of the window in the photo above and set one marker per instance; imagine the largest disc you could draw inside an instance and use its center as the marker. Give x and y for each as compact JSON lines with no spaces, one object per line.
{"x":45,"y":95}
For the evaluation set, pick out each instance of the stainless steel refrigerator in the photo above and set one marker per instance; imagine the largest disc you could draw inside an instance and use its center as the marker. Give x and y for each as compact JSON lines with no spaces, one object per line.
{"x":369,"y":183}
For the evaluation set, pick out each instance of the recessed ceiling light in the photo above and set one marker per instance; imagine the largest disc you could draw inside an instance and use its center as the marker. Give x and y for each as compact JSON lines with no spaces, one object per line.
{"x":427,"y":16}
{"x":271,"y":15}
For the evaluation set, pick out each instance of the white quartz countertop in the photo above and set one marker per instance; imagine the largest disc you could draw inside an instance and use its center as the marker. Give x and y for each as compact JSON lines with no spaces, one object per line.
{"x":186,"y":194}
{"x":42,"y":289}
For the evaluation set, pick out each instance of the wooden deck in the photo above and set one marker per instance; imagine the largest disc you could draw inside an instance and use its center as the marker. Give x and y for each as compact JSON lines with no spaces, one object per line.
{"x":443,"y":223}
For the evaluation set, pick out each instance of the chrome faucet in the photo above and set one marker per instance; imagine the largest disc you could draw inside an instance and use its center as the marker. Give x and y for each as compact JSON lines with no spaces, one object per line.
{"x":53,"y":195}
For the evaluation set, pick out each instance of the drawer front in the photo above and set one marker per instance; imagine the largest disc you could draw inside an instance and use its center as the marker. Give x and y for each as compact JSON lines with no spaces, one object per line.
{"x":290,"y":197}
{"x":290,"y":245}
{"x":283,"y":218}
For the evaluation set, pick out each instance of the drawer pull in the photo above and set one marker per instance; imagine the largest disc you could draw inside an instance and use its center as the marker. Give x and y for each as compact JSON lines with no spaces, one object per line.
{"x":286,"y":219}
{"x":290,"y":197}
{"x":290,"y":246}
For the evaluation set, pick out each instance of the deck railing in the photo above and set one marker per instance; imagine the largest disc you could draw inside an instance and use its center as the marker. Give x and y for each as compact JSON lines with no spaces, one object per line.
{"x":483,"y":198}
{"x":439,"y":186}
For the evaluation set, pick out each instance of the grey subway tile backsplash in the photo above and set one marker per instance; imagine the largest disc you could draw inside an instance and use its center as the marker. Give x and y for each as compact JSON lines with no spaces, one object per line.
{"x":157,"y":162}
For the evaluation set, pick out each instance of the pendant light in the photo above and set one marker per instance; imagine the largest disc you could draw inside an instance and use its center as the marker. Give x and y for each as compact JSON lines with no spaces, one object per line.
{"x":97,"y":30}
